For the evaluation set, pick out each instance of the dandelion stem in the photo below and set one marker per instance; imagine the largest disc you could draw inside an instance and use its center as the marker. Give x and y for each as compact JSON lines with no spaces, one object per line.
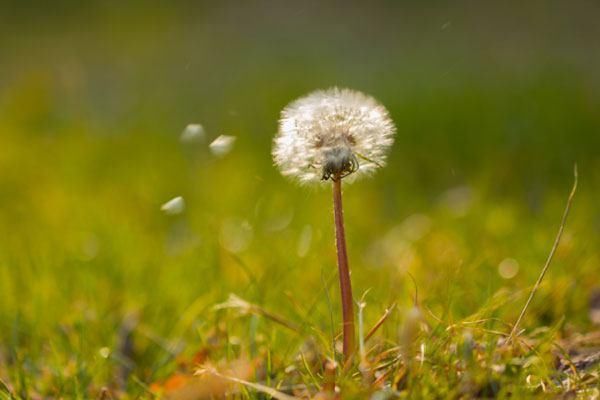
{"x":344,"y":270}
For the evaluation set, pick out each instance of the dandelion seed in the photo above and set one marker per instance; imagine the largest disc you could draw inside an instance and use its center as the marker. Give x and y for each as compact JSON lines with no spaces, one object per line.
{"x":222,"y":145}
{"x":174,"y":206}
{"x":192,"y":133}
{"x":332,"y":132}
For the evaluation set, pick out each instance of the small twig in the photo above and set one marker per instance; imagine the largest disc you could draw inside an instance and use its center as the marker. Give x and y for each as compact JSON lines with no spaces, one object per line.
{"x":550,"y":256}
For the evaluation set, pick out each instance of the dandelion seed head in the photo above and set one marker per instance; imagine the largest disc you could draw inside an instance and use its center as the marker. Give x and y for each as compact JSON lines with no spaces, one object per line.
{"x":332,"y":133}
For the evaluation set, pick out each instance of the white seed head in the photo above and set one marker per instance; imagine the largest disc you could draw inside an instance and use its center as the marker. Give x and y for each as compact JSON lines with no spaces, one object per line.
{"x":331,"y":134}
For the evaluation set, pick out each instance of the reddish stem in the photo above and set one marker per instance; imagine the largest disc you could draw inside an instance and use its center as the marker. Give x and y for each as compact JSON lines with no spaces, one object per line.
{"x":344,"y":270}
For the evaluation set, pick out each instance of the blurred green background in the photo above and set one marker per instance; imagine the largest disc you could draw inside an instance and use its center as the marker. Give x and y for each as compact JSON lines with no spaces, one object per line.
{"x":494,"y":103}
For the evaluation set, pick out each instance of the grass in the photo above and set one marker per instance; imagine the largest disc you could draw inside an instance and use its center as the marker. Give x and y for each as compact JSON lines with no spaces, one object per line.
{"x":102,"y":295}
{"x":88,"y":253}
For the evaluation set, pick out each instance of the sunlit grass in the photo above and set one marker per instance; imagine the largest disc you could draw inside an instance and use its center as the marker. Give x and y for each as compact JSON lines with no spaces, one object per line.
{"x":87,"y":248}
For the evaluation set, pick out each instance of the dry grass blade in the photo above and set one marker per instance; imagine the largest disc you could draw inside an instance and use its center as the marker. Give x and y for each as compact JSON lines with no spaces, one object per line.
{"x":238,"y":303}
{"x":256,"y":386}
{"x":550,"y":256}
{"x":380,"y":322}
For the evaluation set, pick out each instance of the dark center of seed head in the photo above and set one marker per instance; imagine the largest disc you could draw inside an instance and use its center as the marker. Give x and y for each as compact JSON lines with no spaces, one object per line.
{"x":339,"y":162}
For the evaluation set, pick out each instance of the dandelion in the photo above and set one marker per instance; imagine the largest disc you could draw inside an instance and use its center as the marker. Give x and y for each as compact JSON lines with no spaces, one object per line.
{"x":331,"y":135}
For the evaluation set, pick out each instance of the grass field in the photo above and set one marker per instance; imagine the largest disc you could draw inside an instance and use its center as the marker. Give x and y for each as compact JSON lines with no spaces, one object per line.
{"x":103,"y":295}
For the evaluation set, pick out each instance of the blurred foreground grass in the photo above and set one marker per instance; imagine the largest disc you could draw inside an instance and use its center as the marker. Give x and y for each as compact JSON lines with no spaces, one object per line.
{"x":99,"y":288}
